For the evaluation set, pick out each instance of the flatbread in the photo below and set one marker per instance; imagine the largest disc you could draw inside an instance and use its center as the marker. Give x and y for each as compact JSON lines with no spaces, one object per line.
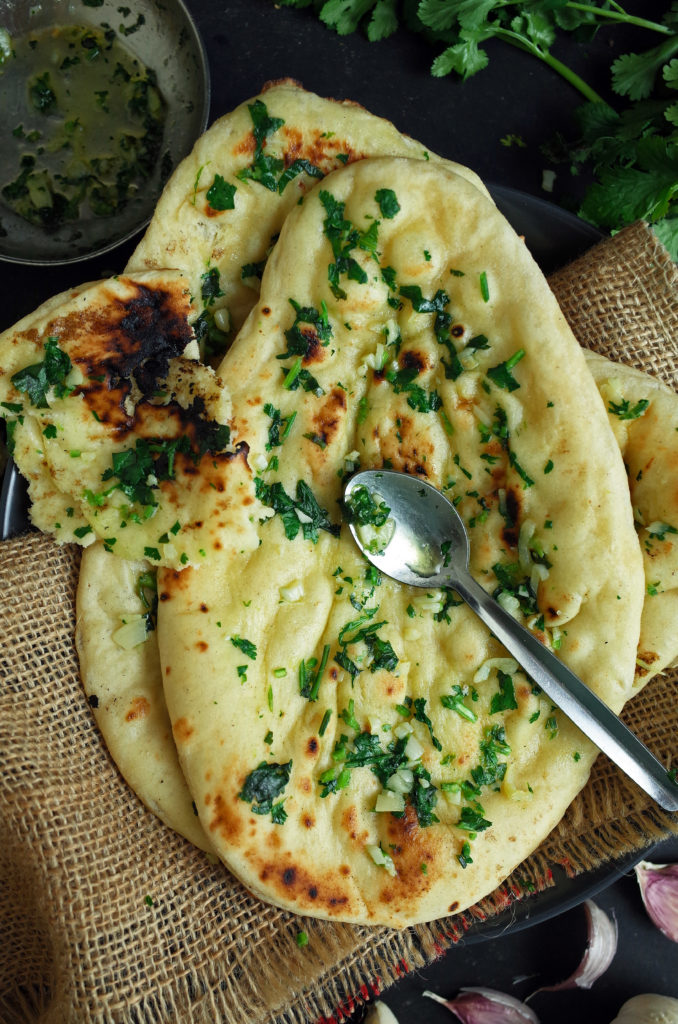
{"x":643,"y":414}
{"x":98,"y":374}
{"x":210,"y":247}
{"x":123,"y":685}
{"x":223,"y":208}
{"x":430,"y":343}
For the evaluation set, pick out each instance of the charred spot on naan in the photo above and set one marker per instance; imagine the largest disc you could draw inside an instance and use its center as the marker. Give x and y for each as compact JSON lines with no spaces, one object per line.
{"x":127,"y":336}
{"x":289,"y":881}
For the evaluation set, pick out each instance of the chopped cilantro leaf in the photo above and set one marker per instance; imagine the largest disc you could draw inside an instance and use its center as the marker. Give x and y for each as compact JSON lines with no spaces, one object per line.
{"x":505,"y":700}
{"x":246,"y":646}
{"x":263,"y":785}
{"x":36,"y":380}
{"x":625,"y":411}
{"x":210,"y":289}
{"x":264,"y":169}
{"x":295,"y":168}
{"x":362,"y":508}
{"x":501,"y":373}
{"x":387,"y":202}
{"x":221,"y":194}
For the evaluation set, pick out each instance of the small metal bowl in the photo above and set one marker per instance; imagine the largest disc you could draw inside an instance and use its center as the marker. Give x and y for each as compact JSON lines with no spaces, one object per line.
{"x":160,"y":34}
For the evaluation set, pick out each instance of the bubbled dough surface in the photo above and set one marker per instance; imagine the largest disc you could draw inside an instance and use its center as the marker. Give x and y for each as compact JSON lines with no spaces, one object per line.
{"x":317,"y":863}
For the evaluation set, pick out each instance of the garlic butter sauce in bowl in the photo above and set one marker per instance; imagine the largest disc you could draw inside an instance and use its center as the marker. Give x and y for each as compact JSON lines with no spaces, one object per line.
{"x":99,"y":101}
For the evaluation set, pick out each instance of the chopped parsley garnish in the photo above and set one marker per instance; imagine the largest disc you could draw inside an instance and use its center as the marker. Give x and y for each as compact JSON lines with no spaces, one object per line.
{"x":387,"y":202}
{"x":424,"y":796}
{"x":210,"y":289}
{"x":213,"y":341}
{"x":147,"y":592}
{"x":365,"y":508}
{"x":42,"y":94}
{"x":263,"y":785}
{"x":403,"y":381}
{"x":310,"y":327}
{"x":505,"y":700}
{"x":311,"y":673}
{"x":316,"y":439}
{"x":314,"y":518}
{"x":280,"y":426}
{"x":253,"y":270}
{"x":246,"y":646}
{"x":659,"y":530}
{"x":464,"y":857}
{"x":298,"y":377}
{"x":501,"y":373}
{"x":155,"y":457}
{"x":420,"y":715}
{"x":348,"y":716}
{"x":264,"y":169}
{"x":36,"y":380}
{"x":524,"y":476}
{"x":296,"y":168}
{"x":455,"y":702}
{"x":625,"y":411}
{"x":344,"y":238}
{"x":221,"y":194}
{"x":382,"y":654}
{"x":513,"y":581}
{"x":472,"y":820}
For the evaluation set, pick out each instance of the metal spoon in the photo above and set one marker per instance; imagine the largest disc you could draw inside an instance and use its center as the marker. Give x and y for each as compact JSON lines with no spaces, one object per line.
{"x":429,"y":547}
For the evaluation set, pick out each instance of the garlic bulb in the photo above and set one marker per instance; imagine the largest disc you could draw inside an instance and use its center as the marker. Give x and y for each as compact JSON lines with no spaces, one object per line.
{"x":379,"y":1013}
{"x":659,"y":889}
{"x":648,"y":1009}
{"x":485,"y":1006}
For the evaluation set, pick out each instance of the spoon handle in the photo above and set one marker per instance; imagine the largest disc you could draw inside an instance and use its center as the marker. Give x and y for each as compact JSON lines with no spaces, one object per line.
{"x":572,"y":696}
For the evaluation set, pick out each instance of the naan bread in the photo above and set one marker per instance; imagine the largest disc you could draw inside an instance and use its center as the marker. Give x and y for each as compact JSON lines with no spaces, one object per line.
{"x":401,"y":322}
{"x":643,"y":414}
{"x":211,"y":247}
{"x":121,"y":677}
{"x":224,"y":206}
{"x":110,"y":422}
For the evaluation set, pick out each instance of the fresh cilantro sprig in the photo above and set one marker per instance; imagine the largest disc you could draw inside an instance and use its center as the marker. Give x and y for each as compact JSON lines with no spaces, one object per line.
{"x":632,"y":151}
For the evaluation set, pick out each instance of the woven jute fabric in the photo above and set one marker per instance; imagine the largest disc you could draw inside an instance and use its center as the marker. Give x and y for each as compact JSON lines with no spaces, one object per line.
{"x":107,"y":916}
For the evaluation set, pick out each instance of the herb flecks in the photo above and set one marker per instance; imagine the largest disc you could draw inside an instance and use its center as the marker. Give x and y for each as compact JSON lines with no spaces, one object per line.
{"x":310,"y":331}
{"x":344,"y":239}
{"x":38,"y":380}
{"x":300,"y":513}
{"x":263,"y":785}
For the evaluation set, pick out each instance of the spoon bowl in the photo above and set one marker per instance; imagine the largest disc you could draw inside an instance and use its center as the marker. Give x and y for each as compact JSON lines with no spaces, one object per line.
{"x":411,"y":532}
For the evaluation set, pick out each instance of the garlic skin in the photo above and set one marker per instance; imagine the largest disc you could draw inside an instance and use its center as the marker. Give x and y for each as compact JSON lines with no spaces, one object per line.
{"x":648,"y":1009}
{"x":599,"y":953}
{"x":659,"y":890}
{"x":379,"y":1013}
{"x":486,"y":1006}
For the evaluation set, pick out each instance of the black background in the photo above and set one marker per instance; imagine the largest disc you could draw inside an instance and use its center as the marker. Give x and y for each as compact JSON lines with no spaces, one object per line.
{"x":249,"y":42}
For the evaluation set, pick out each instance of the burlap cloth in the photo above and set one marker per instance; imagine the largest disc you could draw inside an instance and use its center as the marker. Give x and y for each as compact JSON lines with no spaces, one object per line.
{"x":107,"y":916}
